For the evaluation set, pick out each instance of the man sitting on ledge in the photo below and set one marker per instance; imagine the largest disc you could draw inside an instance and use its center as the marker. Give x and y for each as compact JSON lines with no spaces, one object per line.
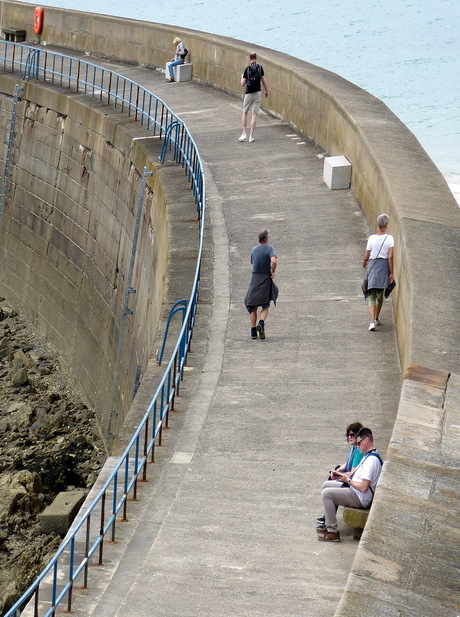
{"x":357,"y":490}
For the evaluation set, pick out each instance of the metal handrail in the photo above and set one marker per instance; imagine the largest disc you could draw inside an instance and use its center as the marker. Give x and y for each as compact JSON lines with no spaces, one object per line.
{"x":114,"y":89}
{"x":180,"y":305}
{"x":84,"y":542}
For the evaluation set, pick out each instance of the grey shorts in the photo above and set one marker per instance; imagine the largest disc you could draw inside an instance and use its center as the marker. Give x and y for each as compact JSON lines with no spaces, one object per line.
{"x":252,"y":101}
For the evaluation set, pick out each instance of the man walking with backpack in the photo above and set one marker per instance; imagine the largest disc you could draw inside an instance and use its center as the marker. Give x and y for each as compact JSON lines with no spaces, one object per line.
{"x":252,"y":79}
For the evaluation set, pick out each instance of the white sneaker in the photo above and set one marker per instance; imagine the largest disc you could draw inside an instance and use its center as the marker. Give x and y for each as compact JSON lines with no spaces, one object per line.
{"x":377,"y":322}
{"x":251,"y":139}
{"x":372,"y":326}
{"x":243,"y":137}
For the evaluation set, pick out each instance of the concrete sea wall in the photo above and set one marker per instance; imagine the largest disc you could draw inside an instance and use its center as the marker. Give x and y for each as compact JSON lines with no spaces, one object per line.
{"x":417,"y":501}
{"x":67,"y":235}
{"x":391,"y":171}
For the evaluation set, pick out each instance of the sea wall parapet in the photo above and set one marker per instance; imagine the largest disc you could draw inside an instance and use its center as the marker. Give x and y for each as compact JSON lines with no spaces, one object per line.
{"x":390,"y":173}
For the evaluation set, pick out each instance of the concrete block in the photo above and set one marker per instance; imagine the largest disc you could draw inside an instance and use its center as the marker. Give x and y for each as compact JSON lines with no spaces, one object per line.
{"x":356,"y":518}
{"x":58,"y":516}
{"x":337,"y":172}
{"x":182,"y":72}
{"x":17,"y":35}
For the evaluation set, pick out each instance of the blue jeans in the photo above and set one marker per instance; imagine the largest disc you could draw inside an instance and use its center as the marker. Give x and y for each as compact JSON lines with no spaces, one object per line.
{"x":172,"y":65}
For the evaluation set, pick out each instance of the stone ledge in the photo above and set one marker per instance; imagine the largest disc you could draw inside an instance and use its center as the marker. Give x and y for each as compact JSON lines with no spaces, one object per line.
{"x":356,"y":518}
{"x":17,"y":35}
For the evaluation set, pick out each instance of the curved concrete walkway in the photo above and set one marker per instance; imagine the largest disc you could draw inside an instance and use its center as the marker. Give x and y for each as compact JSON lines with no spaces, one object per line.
{"x":227,"y":525}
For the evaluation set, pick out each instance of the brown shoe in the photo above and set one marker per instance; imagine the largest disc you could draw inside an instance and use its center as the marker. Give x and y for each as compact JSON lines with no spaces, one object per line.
{"x":330,"y":536}
{"x":321,"y":529}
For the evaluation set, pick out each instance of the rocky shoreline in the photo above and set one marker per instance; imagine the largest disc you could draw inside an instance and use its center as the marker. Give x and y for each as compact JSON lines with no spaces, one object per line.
{"x":49,"y":443}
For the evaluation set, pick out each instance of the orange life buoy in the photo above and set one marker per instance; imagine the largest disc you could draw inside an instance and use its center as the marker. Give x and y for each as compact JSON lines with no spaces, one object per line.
{"x":38,"y":19}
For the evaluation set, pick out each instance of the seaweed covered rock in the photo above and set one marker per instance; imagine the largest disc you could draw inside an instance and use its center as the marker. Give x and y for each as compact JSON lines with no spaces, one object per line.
{"x":49,"y":443}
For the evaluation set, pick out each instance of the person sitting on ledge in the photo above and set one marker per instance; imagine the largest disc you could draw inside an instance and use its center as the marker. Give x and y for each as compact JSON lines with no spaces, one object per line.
{"x":353,"y":460}
{"x":360,"y":488}
{"x":178,"y":58}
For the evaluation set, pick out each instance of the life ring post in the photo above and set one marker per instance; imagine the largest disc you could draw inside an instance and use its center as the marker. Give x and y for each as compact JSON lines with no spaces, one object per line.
{"x":38,"y":19}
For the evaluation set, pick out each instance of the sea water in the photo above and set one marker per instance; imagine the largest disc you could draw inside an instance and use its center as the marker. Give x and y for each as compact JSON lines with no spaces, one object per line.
{"x":405,"y":52}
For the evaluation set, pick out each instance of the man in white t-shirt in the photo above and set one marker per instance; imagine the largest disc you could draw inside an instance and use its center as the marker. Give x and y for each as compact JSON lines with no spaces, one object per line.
{"x":360,"y":490}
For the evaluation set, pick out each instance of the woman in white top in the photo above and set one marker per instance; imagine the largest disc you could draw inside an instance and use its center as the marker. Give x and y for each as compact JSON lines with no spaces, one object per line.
{"x":378,"y":259}
{"x":180,"y":50}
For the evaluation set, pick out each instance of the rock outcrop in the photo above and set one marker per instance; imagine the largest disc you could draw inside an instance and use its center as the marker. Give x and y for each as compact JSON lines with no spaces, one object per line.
{"x":49,"y":443}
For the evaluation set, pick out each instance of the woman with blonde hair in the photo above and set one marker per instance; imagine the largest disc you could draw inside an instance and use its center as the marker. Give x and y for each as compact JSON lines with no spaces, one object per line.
{"x":178,"y":58}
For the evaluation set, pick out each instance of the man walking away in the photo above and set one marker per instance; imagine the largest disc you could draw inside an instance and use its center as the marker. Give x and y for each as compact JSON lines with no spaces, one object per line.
{"x":252,"y":79}
{"x":262,"y":289}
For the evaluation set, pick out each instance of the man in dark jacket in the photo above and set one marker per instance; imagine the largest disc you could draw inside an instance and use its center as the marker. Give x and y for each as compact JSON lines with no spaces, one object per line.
{"x":262,"y":289}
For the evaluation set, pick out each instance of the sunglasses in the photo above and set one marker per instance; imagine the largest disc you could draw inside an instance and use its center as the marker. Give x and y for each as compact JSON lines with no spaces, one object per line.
{"x":360,"y":441}
{"x":350,"y":434}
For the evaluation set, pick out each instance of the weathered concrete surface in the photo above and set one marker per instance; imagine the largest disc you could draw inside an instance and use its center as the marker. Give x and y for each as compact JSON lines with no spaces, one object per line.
{"x":227,"y":523}
{"x":347,"y":121}
{"x":58,"y":516}
{"x":312,"y":368}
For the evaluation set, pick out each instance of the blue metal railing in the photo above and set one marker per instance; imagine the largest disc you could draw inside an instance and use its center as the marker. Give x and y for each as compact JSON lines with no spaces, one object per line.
{"x":84,"y":544}
{"x":179,"y":306}
{"x":112,"y":88}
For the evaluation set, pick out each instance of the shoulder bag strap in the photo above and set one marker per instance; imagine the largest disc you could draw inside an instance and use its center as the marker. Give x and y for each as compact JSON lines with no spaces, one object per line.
{"x":370,"y":453}
{"x":381,"y":246}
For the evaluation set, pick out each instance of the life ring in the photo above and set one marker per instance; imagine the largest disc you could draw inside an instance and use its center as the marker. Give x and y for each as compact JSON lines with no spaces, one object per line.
{"x":38,"y":19}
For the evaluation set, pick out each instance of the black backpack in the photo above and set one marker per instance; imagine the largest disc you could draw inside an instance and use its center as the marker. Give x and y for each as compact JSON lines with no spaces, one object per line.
{"x":184,"y":54}
{"x":254,"y":74}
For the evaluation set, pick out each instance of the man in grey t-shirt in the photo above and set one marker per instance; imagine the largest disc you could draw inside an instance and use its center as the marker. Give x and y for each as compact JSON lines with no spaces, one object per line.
{"x":262,"y":289}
